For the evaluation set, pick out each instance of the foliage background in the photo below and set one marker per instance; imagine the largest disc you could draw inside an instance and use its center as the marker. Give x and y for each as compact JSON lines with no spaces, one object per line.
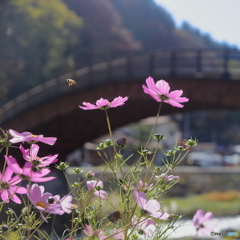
{"x":41,"y":39}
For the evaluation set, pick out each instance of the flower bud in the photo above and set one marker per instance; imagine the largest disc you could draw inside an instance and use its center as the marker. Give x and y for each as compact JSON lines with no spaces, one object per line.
{"x":145,"y":152}
{"x":170,"y":153}
{"x":108,"y":143}
{"x":159,"y":136}
{"x":75,"y":220}
{"x":25,"y":211}
{"x":138,"y":170}
{"x":135,"y":237}
{"x":9,"y":211}
{"x":4,"y":228}
{"x":100,"y":146}
{"x":191,"y":142}
{"x":98,"y":188}
{"x":62,"y":165}
{"x":90,"y":175}
{"x":75,"y":184}
{"x":180,"y":148}
{"x":77,"y":170}
{"x":75,"y":208}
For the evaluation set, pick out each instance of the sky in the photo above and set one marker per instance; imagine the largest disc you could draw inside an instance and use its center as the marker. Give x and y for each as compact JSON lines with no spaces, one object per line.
{"x":219,"y":18}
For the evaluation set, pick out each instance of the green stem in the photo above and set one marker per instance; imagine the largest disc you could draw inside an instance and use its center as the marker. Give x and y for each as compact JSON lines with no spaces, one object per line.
{"x":52,"y":227}
{"x":5,"y":164}
{"x":110,"y":131}
{"x":111,"y":137}
{"x":150,"y":136}
{"x":67,"y":180}
{"x":151,"y":162}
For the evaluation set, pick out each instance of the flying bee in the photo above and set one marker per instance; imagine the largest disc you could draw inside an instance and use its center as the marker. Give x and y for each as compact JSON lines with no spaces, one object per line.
{"x":114,"y":216}
{"x":121,"y":142}
{"x":70,"y":82}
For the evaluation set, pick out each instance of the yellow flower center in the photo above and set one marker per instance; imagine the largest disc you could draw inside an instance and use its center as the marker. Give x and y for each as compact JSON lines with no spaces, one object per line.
{"x":105,"y":107}
{"x":4,"y":186}
{"x":41,"y":204}
{"x":33,"y":136}
{"x":32,"y":141}
{"x":163,"y":97}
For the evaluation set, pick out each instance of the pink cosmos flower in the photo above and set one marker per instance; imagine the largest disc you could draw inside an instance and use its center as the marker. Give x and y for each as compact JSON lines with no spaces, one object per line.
{"x":26,"y":172}
{"x":167,"y":178}
{"x":145,"y":226}
{"x":8,"y":188}
{"x":93,"y":184}
{"x":160,"y":92}
{"x":204,"y":223}
{"x":90,"y":232}
{"x":151,"y":207}
{"x":29,"y":137}
{"x":42,"y":201}
{"x":30,"y":155}
{"x":119,"y":234}
{"x":105,"y":104}
{"x":65,"y":202}
{"x":90,"y":175}
{"x":145,"y":186}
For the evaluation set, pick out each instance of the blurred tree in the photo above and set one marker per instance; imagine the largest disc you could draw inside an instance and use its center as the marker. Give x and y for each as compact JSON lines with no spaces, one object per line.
{"x":189,"y":36}
{"x":104,"y":37}
{"x":155,"y":28}
{"x":41,"y":39}
{"x":35,"y":36}
{"x":9,"y":69}
{"x":149,"y":23}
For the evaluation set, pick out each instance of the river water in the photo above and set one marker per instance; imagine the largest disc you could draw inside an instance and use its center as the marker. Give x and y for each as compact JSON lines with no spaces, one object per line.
{"x":226,"y":224}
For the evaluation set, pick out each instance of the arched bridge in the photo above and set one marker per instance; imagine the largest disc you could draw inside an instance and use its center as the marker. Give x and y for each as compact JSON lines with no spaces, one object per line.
{"x":208,"y":77}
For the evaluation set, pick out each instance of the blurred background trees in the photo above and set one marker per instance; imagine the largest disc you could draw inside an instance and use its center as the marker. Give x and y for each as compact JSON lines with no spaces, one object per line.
{"x":35,"y":42}
{"x":41,"y":39}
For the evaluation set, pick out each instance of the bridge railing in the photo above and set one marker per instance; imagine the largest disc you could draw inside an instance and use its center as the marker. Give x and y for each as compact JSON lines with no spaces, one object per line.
{"x":191,"y":63}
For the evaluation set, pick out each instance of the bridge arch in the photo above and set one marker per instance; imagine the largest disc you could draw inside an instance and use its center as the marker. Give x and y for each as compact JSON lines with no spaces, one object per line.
{"x":52,"y":108}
